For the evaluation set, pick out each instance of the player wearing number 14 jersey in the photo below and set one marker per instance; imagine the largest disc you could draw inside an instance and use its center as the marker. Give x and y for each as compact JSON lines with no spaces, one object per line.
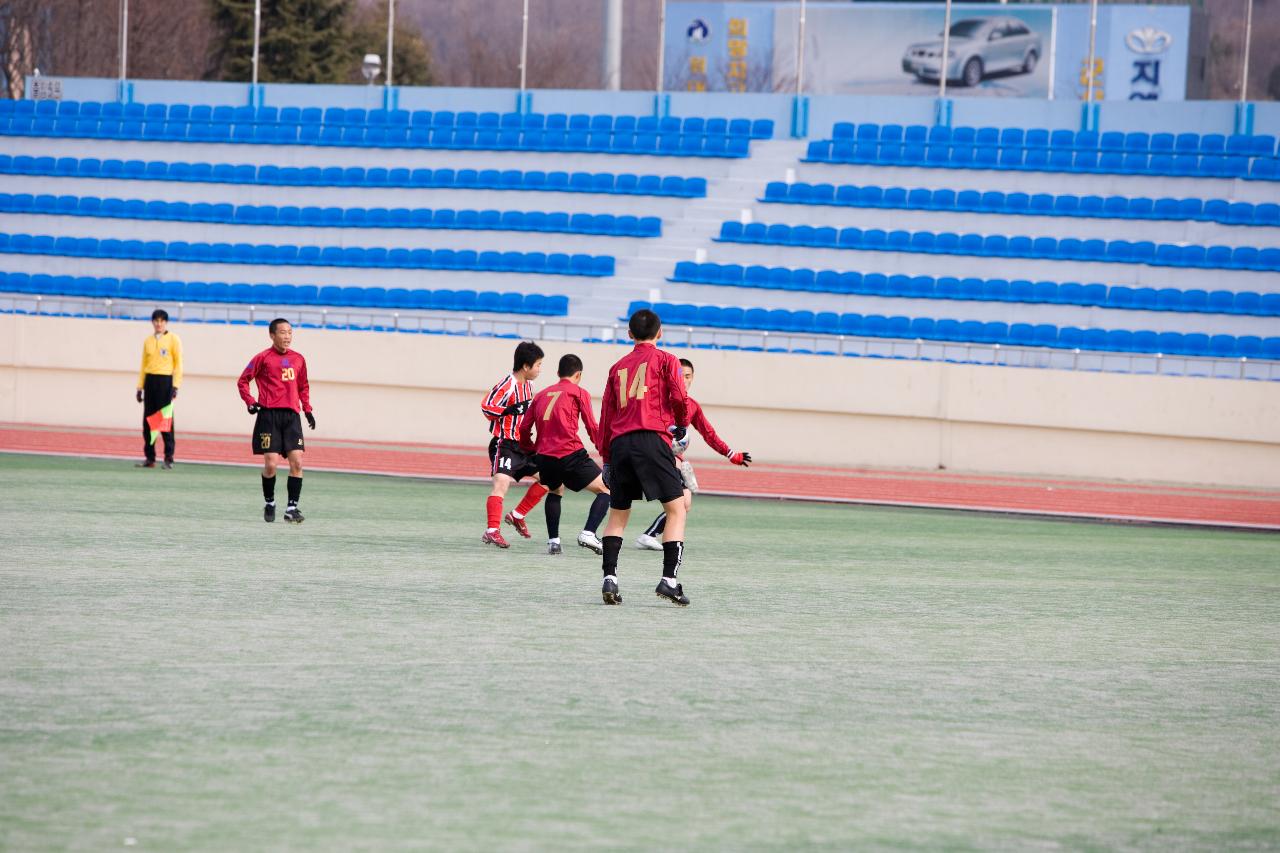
{"x":645,"y":406}
{"x":504,"y":406}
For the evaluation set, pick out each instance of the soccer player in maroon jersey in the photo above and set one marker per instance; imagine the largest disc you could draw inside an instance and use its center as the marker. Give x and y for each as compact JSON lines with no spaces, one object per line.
{"x":281,"y":377}
{"x":645,"y":406}
{"x":504,"y":405}
{"x":698,"y":420}
{"x":562,"y":460}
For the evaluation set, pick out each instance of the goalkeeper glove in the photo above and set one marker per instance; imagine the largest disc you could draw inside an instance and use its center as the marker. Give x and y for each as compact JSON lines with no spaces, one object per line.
{"x":311,"y":420}
{"x":743,"y":459}
{"x":138,"y":396}
{"x":254,"y":408}
{"x":173,"y":395}
{"x":677,"y":432}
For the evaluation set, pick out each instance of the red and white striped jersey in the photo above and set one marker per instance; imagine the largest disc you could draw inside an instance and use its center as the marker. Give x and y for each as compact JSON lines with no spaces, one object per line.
{"x":505,"y":405}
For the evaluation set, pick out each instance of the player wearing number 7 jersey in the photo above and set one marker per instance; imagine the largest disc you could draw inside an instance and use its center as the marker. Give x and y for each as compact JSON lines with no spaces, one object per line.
{"x":645,"y":405}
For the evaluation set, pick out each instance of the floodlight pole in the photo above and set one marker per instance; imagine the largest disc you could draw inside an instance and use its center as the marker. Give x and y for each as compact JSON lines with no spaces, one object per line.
{"x":124,"y":42}
{"x":257,"y":26}
{"x":391,"y":38}
{"x":800,"y":50}
{"x":662,"y":44}
{"x":612,"y":60}
{"x":944,"y":57}
{"x":524,"y":45}
{"x":1248,"y":33}
{"x":1093,"y":48}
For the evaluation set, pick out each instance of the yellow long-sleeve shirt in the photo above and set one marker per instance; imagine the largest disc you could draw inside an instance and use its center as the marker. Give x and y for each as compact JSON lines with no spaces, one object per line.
{"x":162,"y":354}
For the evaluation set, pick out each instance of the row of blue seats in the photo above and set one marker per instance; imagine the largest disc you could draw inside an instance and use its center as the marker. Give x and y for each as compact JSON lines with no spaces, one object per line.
{"x":604,"y":224}
{"x":1136,"y":142}
{"x":357,"y":176}
{"x":284,"y":294}
{"x":757,"y":129}
{"x":667,"y":144}
{"x":964,"y":331}
{"x":324,"y":256}
{"x":1042,"y":204}
{"x":1000,"y":246}
{"x":937,"y":155}
{"x":980,"y":289}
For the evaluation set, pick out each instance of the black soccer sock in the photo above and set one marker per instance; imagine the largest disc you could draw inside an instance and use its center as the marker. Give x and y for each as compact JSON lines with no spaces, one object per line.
{"x":269,"y":489}
{"x":553,"y":516}
{"x":612,"y":545}
{"x":672,"y":558}
{"x":599,"y":509}
{"x":295,"y":489}
{"x":659,"y":525}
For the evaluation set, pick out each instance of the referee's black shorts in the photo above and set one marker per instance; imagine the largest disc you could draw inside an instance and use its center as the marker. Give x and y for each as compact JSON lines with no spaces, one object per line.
{"x":277,"y":431}
{"x":575,"y":471}
{"x":641,"y":464}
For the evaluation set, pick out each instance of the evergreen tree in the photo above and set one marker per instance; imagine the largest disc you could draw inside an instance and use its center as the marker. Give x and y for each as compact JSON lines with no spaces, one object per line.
{"x":300,"y":41}
{"x":413,"y":66}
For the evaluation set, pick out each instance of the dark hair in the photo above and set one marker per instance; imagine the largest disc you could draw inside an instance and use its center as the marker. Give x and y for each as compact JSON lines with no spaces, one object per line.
{"x":160,"y":314}
{"x":527,"y":352}
{"x":687,"y":363}
{"x":644,"y":325}
{"x":276,"y":322}
{"x":569,"y":365}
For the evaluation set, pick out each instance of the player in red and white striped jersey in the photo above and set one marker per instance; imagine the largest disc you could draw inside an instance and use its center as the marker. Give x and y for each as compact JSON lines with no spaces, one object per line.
{"x":504,"y":406}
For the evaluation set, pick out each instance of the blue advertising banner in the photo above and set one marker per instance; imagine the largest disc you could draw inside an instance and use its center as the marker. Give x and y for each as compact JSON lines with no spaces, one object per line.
{"x":1141,"y":53}
{"x":719,"y":47}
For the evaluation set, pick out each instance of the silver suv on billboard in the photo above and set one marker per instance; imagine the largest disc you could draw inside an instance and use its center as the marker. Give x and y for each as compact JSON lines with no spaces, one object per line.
{"x":978,"y":47}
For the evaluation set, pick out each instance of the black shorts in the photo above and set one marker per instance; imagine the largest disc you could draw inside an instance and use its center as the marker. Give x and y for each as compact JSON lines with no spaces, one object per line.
{"x":641,"y":464}
{"x":506,"y":457}
{"x":576,"y":471}
{"x":277,"y":431}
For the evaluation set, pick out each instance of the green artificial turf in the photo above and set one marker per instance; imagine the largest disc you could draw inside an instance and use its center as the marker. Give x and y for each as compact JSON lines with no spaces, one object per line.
{"x":176,"y":673}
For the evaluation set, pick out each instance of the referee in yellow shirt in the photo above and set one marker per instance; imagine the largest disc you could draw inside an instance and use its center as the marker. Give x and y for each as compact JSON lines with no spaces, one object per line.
{"x":158,"y":382}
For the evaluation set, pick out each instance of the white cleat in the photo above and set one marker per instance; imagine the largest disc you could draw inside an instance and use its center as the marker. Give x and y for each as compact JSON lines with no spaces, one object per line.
{"x":645,"y":542}
{"x":587,"y":539}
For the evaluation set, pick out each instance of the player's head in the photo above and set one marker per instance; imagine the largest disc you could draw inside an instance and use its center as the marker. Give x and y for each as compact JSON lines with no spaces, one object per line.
{"x":281,"y":333}
{"x":528,"y":360}
{"x":159,"y":320}
{"x":686,"y":370}
{"x":644,"y":326}
{"x":570,"y":368}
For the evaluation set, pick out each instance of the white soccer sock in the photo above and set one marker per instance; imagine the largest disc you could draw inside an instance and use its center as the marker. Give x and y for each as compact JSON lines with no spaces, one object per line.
{"x":517,"y":515}
{"x":555,"y":541}
{"x":613,"y":578}
{"x":491,"y":530}
{"x":271,"y":503}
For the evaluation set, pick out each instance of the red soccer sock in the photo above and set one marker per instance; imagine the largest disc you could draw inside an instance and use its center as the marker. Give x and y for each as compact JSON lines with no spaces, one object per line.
{"x":530,"y":499}
{"x":493,"y":508}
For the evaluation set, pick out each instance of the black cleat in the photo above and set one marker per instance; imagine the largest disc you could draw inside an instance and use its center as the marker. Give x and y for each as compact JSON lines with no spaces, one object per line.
{"x":149,"y":463}
{"x":268,"y":513}
{"x":167,"y":465}
{"x":673,"y":594}
{"x":609,"y":592}
{"x":554,"y":548}
{"x":292,"y":515}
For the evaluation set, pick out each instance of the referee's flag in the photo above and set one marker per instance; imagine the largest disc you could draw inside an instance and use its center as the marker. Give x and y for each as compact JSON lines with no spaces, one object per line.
{"x":161,"y":421}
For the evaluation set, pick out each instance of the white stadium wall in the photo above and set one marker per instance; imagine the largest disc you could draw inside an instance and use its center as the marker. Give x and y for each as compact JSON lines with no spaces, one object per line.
{"x":784,"y":408}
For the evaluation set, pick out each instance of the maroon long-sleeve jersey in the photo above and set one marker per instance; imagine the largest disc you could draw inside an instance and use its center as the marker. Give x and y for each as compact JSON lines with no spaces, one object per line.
{"x":554,"y":415}
{"x":698,"y":420}
{"x":644,"y":391}
{"x":281,"y":379}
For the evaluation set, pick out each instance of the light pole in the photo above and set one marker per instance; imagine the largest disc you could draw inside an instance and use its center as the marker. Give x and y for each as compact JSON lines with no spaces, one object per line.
{"x":524,"y":45}
{"x":1093,"y":52}
{"x":391,"y":38}
{"x":257,"y":26}
{"x":1248,"y":33}
{"x":662,"y":44}
{"x":124,"y":42}
{"x":944,"y":59}
{"x":800,"y":50}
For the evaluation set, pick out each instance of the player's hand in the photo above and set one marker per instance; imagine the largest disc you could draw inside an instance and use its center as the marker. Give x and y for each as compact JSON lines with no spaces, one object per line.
{"x":173,"y":395}
{"x":743,"y":459}
{"x":311,"y":419}
{"x":677,"y":432}
{"x":254,"y":408}
{"x":138,"y":396}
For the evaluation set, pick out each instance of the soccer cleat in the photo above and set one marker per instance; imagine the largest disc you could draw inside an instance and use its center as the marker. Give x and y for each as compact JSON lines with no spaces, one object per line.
{"x":554,"y":548}
{"x":167,"y":465}
{"x":609,"y":592}
{"x":645,"y":542}
{"x":674,"y":594}
{"x":587,"y":539}
{"x":268,"y":513}
{"x":149,"y":463}
{"x":292,"y":515}
{"x":518,"y":524}
{"x":494,"y":537}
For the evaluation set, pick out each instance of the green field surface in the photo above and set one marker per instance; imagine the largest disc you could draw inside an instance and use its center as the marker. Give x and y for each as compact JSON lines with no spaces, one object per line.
{"x":174,"y":673}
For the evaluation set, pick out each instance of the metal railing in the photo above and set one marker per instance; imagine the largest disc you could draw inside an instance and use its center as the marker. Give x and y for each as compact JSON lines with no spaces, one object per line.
{"x":581,"y":331}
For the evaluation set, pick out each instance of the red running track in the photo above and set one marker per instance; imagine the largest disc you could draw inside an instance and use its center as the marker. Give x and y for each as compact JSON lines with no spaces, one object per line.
{"x":1111,"y":501}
